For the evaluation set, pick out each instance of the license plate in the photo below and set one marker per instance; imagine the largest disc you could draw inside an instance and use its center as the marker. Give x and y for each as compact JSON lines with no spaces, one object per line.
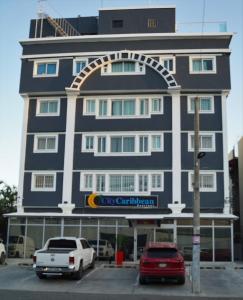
{"x":52,"y":269}
{"x":162,"y":265}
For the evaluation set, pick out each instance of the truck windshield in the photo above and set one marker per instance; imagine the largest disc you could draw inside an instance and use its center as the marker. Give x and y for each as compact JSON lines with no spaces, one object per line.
{"x":62,"y":243}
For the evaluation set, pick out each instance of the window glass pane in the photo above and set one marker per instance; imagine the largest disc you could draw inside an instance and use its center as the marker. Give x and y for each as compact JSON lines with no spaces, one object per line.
{"x":100,"y":183}
{"x":168,"y":64}
{"x":101,"y":144}
{"x":207,"y":64}
{"x":156,"y":181}
{"x":51,"y":68}
{"x":128,"y":144}
{"x":206,"y":181}
{"x":88,"y":181}
{"x":184,"y":242}
{"x":44,"y":107}
{"x":89,"y":143}
{"x":143,"y":183}
{"x":129,"y":107}
{"x":156,"y":105}
{"x":143,"y":106}
{"x":116,"y":144}
{"x":116,"y":67}
{"x":39,"y":181}
{"x":90,"y":106}
{"x":205,"y":104}
{"x":51,"y":143}
{"x":206,"y":142}
{"x":49,"y":181}
{"x":41,"y":144}
{"x":143,"y":144}
{"x":52,"y":106}
{"x":116,"y":109}
{"x":129,"y":66}
{"x":206,"y":251}
{"x":222,"y":244}
{"x":80,"y":65}
{"x":115,"y":183}
{"x":102,"y":107}
{"x":156,"y":142}
{"x":197,"y":65}
{"x":41,"y":69}
{"x":127,"y":183}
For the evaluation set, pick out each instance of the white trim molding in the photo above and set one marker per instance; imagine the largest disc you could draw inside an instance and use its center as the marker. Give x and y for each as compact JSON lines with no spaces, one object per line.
{"x":45,"y":61}
{"x":202,"y":57}
{"x":43,"y":189}
{"x":203,"y":189}
{"x":176,"y":206}
{"x":227,"y":207}
{"x":22,"y":155}
{"x":47,"y":114}
{"x":46,"y":150}
{"x":202,"y":134}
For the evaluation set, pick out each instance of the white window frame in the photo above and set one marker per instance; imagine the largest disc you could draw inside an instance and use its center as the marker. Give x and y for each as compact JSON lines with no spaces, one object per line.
{"x":47,"y":61}
{"x":152,"y":112}
{"x":189,"y":107}
{"x":106,"y":69}
{"x":45,"y":135}
{"x":135,"y":173}
{"x":110,"y":98}
{"x":122,"y":134}
{"x":38,"y":102}
{"x":83,"y":178}
{"x":77,"y":59}
{"x":193,"y":57}
{"x":45,"y":173}
{"x":162,"y":58}
{"x":161,"y":182}
{"x":213,"y":189}
{"x":202,"y":133}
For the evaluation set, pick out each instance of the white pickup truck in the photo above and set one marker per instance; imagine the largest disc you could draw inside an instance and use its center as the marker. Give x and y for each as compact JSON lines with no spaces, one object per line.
{"x":64,"y":255}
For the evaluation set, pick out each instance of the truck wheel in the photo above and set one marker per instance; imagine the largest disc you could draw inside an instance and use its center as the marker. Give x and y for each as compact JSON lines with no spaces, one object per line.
{"x":2,"y":258}
{"x":40,"y":275}
{"x":78,"y":275}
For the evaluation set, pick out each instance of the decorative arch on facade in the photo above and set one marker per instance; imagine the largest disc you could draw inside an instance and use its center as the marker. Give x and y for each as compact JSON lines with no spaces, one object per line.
{"x":121,"y":56}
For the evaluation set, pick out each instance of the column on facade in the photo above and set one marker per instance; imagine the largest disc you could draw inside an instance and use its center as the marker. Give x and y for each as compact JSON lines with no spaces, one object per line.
{"x":176,"y":206}
{"x":225,"y":153}
{"x":22,"y":155}
{"x":66,"y":204}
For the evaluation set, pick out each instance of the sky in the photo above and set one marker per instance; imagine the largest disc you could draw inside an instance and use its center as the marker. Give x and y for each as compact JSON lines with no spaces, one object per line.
{"x":14,"y":26}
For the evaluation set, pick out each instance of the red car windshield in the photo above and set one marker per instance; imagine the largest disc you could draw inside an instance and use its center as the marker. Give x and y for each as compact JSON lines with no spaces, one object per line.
{"x":162,"y":252}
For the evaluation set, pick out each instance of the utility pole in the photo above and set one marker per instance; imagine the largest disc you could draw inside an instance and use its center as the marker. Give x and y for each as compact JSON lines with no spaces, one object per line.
{"x":196,"y":205}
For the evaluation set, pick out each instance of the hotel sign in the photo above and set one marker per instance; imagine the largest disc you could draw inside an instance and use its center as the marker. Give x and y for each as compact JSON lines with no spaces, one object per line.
{"x":103,"y":201}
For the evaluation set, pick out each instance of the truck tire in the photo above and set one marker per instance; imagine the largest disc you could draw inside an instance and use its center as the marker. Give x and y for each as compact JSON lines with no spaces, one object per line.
{"x":78,"y":275}
{"x":40,"y":275}
{"x":2,"y":258}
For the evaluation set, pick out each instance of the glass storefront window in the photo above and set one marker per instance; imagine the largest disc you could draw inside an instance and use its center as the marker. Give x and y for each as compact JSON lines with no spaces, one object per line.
{"x":89,"y":221}
{"x":206,"y":253}
{"x":125,"y":242}
{"x":184,"y":241}
{"x":71,"y":221}
{"x":34,"y":240}
{"x":222,"y":244}
{"x":17,"y":220}
{"x":52,"y":231}
{"x":107,"y":243}
{"x":222,"y":222}
{"x":144,"y":236}
{"x":36,"y":220}
{"x":108,"y":221}
{"x":16,"y":241}
{"x":73,"y":231}
{"x":123,"y":222}
{"x":164,"y":235}
{"x":89,"y":233}
{"x":184,"y":222}
{"x":53,"y":221}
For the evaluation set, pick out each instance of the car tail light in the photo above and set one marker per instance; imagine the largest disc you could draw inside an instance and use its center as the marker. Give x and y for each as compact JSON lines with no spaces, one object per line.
{"x":71,"y":260}
{"x":34,"y":259}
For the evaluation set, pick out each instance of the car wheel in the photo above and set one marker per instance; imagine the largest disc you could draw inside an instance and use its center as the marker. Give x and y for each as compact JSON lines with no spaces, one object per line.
{"x":181,"y":280}
{"x":2,"y":258}
{"x":40,"y":275}
{"x":142,"y":280}
{"x":78,"y":275}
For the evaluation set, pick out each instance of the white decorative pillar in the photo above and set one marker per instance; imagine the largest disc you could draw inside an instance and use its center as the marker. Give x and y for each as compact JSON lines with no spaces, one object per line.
{"x":20,"y":208}
{"x":66,"y":204}
{"x":176,"y":206}
{"x":225,"y":153}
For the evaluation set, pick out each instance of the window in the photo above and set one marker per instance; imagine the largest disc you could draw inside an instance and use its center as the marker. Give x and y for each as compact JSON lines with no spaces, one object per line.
{"x":207,"y":181}
{"x":202,"y":65}
{"x":102,"y":107}
{"x":88,"y":181}
{"x":143,"y":144}
{"x":45,"y":68}
{"x":168,"y":62}
{"x":206,"y":104}
{"x":123,"y":107}
{"x":90,"y":106}
{"x":117,"y":23}
{"x":100,"y":183}
{"x":144,"y":107}
{"x":143,"y":183}
{"x":206,"y":142}
{"x":152,"y":23}
{"x":79,"y":64}
{"x":101,"y":144}
{"x":122,"y":183}
{"x":156,"y":182}
{"x":156,"y":142}
{"x":156,"y":105}
{"x":43,"y":182}
{"x":123,"y":68}
{"x":44,"y":143}
{"x":89,"y":143}
{"x":48,"y":107}
{"x":122,"y":144}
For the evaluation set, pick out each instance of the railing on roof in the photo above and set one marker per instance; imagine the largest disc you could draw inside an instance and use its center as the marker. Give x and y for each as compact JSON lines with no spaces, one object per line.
{"x":209,"y":26}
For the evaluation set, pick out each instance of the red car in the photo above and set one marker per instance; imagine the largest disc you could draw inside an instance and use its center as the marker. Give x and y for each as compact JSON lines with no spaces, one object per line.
{"x":161,"y":260}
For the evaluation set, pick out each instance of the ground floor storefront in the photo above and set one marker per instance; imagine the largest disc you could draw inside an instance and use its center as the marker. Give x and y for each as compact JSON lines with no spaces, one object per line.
{"x":129,"y":234}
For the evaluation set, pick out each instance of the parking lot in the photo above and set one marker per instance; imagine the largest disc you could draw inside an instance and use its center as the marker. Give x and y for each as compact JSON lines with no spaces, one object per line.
{"x":107,"y":280}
